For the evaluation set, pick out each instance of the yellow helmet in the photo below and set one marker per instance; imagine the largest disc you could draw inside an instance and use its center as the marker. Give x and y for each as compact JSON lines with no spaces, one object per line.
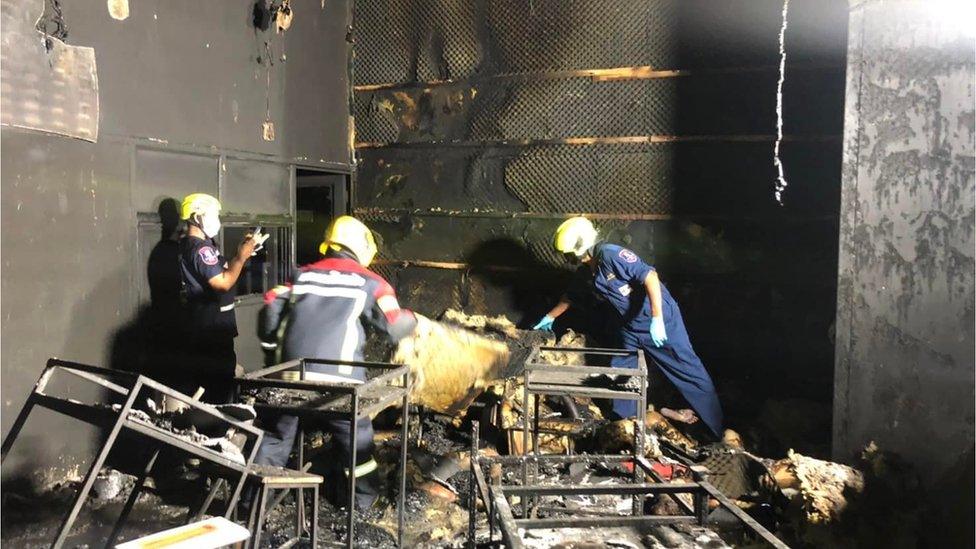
{"x":198,"y":203}
{"x":347,"y":232}
{"x":575,"y":236}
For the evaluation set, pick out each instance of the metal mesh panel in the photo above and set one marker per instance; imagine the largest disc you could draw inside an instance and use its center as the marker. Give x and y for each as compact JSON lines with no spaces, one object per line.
{"x":632,"y":179}
{"x":580,"y":34}
{"x":576,"y":107}
{"x":416,"y":40}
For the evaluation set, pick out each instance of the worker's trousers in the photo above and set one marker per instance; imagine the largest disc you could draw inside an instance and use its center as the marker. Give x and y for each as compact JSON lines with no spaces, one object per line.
{"x":679,"y":363}
{"x":279,"y":438}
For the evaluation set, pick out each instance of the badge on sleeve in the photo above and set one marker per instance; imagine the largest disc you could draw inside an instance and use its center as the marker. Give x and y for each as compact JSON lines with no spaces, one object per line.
{"x":628,"y":256}
{"x":209,"y":255}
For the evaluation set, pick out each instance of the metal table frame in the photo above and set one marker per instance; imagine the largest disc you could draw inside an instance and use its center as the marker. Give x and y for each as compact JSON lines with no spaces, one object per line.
{"x":117,"y":418}
{"x":541,"y":378}
{"x":343,"y":401}
{"x":495,"y":498}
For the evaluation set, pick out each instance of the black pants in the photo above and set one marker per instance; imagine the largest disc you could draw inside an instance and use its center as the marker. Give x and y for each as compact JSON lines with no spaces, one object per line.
{"x":279,"y":438}
{"x":203,"y":362}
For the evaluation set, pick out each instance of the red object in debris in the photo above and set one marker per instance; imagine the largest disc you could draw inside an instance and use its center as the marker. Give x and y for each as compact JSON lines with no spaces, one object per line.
{"x":628,"y":466}
{"x":666,"y":471}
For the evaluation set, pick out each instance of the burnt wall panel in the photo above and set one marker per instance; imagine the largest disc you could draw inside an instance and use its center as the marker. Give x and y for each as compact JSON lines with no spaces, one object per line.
{"x":181,"y":84}
{"x":476,"y":139}
{"x":905,"y":339}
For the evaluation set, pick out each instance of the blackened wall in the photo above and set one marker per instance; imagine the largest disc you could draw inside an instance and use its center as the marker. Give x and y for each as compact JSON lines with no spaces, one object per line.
{"x":481,"y":125}
{"x":184,"y":88}
{"x":905,"y":358}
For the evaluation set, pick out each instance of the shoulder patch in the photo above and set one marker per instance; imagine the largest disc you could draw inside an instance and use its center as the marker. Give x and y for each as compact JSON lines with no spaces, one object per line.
{"x":627,"y":255}
{"x":208,"y":255}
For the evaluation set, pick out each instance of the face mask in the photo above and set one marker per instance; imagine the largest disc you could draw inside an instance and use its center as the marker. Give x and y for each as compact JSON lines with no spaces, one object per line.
{"x":210,"y":224}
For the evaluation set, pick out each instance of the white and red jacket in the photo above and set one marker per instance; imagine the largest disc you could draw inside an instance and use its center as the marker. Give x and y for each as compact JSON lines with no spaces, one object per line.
{"x":323,"y":312}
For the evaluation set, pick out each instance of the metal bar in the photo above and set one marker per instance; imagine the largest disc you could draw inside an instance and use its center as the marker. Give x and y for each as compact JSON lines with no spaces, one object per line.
{"x":570,"y":390}
{"x":382,"y":404}
{"x":641,"y":72}
{"x":96,"y":466}
{"x":133,"y":496}
{"x":383,"y":379}
{"x":759,"y":529}
{"x":559,"y":458}
{"x":615,"y":140}
{"x":587,"y":351}
{"x":356,"y":363}
{"x":95,"y":379}
{"x":646,"y":466}
{"x":232,"y":502}
{"x":482,"y":486}
{"x":299,"y":493}
{"x":404,"y":435}
{"x":535,"y":448}
{"x":256,"y":374}
{"x":209,"y":499}
{"x":54,"y":362}
{"x":582,"y":370}
{"x":353,"y":439}
{"x":510,"y":535}
{"x":313,"y":531}
{"x":596,"y":489}
{"x":472,"y":493}
{"x":525,"y":440}
{"x":25,"y":411}
{"x":321,"y":386}
{"x":262,"y":507}
{"x":589,"y":522}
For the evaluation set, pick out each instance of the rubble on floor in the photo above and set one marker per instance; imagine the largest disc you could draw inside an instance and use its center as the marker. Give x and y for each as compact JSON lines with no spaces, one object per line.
{"x":467,"y":367}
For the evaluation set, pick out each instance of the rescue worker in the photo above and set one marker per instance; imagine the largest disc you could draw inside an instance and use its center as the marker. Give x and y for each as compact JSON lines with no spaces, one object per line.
{"x":322,"y":315}
{"x":649,"y":318}
{"x":208,"y":322}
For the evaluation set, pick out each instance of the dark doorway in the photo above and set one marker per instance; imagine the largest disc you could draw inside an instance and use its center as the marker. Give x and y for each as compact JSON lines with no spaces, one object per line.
{"x":320,"y":197}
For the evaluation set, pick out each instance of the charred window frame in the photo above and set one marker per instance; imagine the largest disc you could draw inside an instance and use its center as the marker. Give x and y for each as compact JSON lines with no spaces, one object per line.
{"x":271,"y":266}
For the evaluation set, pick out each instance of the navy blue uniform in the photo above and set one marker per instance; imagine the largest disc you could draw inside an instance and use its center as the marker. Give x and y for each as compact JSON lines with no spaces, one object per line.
{"x":208,"y":324}
{"x":322,"y":315}
{"x":618,"y":278}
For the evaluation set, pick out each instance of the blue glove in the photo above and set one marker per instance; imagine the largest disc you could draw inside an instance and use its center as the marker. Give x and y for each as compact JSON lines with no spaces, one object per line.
{"x":658,"y":335}
{"x":545,"y":324}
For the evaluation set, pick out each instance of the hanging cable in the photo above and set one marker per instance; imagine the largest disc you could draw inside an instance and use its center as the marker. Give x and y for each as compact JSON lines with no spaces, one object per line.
{"x":780,"y":179}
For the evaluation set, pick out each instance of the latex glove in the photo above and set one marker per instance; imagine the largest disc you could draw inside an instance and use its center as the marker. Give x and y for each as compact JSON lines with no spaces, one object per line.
{"x":658,"y":335}
{"x":259,"y":240}
{"x":545,"y":324}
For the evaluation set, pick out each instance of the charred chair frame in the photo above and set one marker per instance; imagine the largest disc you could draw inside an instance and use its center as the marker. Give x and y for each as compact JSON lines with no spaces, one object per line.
{"x":547,"y":379}
{"x":543,"y":379}
{"x":126,"y":388}
{"x":340,"y":400}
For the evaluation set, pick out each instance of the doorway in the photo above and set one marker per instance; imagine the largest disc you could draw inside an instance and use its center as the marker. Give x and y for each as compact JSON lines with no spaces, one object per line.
{"x":319,"y":198}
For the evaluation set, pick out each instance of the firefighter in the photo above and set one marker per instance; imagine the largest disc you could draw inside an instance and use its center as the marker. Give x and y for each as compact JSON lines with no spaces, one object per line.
{"x":208,"y":322}
{"x":322,"y":315}
{"x":650,"y":319}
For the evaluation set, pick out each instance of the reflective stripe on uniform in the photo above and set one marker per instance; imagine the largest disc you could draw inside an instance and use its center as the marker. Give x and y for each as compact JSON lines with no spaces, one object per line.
{"x":226,"y":308}
{"x":388,"y":303}
{"x":269,"y":346}
{"x":364,"y":469}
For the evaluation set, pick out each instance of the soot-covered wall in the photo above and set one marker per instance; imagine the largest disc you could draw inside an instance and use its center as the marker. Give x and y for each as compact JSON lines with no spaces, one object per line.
{"x":481,"y":125}
{"x":183,"y":91}
{"x":905,"y":340}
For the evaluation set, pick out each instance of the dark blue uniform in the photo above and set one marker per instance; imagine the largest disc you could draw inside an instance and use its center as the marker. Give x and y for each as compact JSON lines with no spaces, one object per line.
{"x":619,"y":278}
{"x":208,"y":324}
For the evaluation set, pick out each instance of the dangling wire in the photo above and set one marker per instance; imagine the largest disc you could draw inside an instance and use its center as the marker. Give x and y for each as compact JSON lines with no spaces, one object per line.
{"x":780,"y":179}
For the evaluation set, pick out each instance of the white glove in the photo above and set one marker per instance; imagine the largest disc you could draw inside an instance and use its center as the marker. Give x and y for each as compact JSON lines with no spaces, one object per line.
{"x":258,"y":239}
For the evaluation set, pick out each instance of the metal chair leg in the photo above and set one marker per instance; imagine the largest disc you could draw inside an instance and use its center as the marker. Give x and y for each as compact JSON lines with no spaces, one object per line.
{"x":259,"y":523}
{"x":17,"y":426}
{"x":96,"y":466}
{"x":133,"y":497}
{"x":218,"y":483}
{"x":313,"y":532}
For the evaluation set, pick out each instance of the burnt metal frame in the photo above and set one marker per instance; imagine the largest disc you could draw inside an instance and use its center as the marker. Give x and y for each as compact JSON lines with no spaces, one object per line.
{"x":342,"y":401}
{"x":495,"y":498}
{"x":541,"y":378}
{"x":129,"y":387}
{"x":260,"y":506}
